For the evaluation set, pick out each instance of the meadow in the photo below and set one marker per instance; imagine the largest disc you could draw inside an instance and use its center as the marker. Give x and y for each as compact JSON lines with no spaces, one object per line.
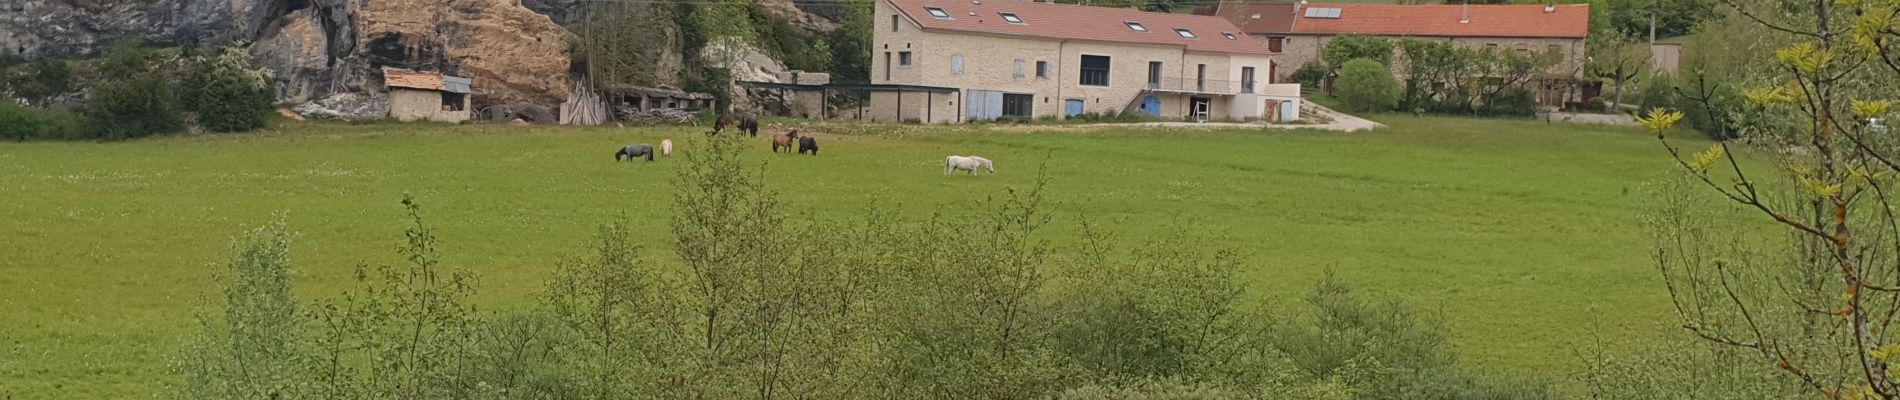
{"x":1523,"y":234}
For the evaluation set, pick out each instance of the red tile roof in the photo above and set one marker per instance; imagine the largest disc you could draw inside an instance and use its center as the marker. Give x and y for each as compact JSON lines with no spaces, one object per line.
{"x":1505,"y":20}
{"x":1274,"y":17}
{"x":1065,"y":21}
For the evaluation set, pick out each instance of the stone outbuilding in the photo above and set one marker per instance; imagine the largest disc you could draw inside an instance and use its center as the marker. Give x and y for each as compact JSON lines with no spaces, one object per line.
{"x":427,"y":96}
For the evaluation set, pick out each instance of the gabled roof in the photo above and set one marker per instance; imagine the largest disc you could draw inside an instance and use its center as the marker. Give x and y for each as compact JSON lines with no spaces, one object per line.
{"x":1066,"y":21}
{"x":1434,"y":20}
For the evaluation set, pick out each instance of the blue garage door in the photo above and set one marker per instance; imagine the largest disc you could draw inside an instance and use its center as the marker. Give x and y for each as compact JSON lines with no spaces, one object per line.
{"x":1151,"y":105}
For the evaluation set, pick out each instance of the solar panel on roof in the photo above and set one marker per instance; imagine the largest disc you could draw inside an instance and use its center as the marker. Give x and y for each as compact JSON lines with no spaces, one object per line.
{"x":1322,"y":12}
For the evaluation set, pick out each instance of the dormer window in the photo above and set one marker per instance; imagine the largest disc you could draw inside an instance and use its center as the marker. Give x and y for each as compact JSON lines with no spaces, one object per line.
{"x":1229,"y":35}
{"x":1012,"y":18}
{"x":1136,"y":26}
{"x":937,"y":12}
{"x":1185,"y":33}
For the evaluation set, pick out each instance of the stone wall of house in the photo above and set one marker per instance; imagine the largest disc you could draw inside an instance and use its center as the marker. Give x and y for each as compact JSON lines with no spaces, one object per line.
{"x":981,"y":62}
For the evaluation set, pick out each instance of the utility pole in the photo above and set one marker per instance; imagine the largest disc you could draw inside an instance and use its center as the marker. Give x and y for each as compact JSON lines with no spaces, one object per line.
{"x":1653,"y":9}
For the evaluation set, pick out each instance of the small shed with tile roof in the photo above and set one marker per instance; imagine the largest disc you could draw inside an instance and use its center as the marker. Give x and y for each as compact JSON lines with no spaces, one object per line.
{"x":427,"y":96}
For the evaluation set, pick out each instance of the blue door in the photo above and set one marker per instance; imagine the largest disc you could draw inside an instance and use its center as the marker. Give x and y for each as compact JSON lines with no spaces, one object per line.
{"x":1075,"y":106}
{"x":1151,"y":105}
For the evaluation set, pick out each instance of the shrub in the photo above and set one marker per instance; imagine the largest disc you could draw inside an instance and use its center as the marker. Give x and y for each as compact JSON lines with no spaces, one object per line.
{"x":22,"y":123}
{"x":1312,"y":74}
{"x":39,"y":81}
{"x":1367,"y":86}
{"x":135,"y":107}
{"x":229,"y":92}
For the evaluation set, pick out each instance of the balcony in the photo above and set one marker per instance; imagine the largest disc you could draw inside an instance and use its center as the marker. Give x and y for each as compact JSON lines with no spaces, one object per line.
{"x":1203,"y":86}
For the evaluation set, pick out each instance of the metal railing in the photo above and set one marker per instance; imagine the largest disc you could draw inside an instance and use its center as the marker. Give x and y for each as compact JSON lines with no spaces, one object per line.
{"x":1212,"y":86}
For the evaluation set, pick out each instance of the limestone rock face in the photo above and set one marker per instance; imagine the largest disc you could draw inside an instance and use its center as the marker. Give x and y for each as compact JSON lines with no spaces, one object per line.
{"x":514,"y":55}
{"x":319,"y":47}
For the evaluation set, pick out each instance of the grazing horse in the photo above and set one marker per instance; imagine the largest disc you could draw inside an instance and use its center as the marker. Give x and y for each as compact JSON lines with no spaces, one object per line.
{"x":634,"y":151}
{"x":666,"y":147}
{"x":745,"y":124}
{"x":808,"y":143}
{"x":784,"y":140}
{"x":971,"y":163}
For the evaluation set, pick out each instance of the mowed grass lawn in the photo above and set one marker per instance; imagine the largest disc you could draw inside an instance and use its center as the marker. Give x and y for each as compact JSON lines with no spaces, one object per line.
{"x":1524,"y":234}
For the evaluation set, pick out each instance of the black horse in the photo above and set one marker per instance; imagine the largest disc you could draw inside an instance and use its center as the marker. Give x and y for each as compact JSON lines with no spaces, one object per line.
{"x":634,"y":151}
{"x":808,"y":143}
{"x":747,"y":125}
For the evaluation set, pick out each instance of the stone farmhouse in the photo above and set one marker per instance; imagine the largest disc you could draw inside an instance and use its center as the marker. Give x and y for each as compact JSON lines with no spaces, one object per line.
{"x":975,"y":60}
{"x":1295,"y":32}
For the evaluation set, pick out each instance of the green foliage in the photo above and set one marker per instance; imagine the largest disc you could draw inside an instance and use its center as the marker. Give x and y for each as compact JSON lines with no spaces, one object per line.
{"x":1164,"y":389}
{"x":1449,"y":79}
{"x":1631,"y":17}
{"x":403,"y":332}
{"x":618,"y":42}
{"x":1312,"y":74}
{"x":38,"y":81}
{"x":1344,"y":49}
{"x":24,"y":123}
{"x":617,"y":309}
{"x":253,"y":349}
{"x":229,"y":92}
{"x":1658,"y":92}
{"x":134,"y":107}
{"x":851,"y":45}
{"x":136,"y":98}
{"x":1367,"y":86}
{"x":1164,"y":309}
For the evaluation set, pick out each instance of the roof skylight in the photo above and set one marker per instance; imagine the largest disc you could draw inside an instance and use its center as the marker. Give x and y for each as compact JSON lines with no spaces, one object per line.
{"x":1011,"y":17}
{"x":1185,"y":33}
{"x":1136,"y":26}
{"x":937,"y":12}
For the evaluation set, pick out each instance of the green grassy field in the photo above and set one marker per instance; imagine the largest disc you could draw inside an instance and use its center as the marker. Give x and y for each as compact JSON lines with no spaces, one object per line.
{"x":1524,"y":234}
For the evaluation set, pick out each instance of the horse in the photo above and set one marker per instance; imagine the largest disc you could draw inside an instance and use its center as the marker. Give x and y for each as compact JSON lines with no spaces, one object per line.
{"x":784,"y":140}
{"x":807,"y":143}
{"x":666,"y":147}
{"x":745,"y":124}
{"x":971,"y":163}
{"x":634,"y":151}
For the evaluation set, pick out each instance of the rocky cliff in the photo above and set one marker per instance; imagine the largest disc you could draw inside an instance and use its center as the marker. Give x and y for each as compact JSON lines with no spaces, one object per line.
{"x":516,"y":50}
{"x":319,"y":47}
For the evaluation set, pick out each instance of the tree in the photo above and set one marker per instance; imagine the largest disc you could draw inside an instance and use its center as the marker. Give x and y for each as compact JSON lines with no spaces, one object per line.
{"x":1817,"y":304}
{"x":1367,"y":86}
{"x":1632,"y":17}
{"x":851,"y":46}
{"x":229,"y":92}
{"x":1344,"y":49}
{"x":1618,"y":58}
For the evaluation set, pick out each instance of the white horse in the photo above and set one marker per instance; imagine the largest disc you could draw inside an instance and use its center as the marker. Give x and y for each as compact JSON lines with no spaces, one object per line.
{"x":971,"y":163}
{"x":666,"y":147}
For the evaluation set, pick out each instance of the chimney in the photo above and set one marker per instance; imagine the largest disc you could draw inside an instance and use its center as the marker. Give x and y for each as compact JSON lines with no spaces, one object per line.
{"x":1466,"y":19}
{"x":1550,"y":8}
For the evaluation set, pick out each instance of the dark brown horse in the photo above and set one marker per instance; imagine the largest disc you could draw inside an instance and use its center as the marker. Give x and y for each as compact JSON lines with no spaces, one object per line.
{"x":785,"y":141}
{"x":745,"y":124}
